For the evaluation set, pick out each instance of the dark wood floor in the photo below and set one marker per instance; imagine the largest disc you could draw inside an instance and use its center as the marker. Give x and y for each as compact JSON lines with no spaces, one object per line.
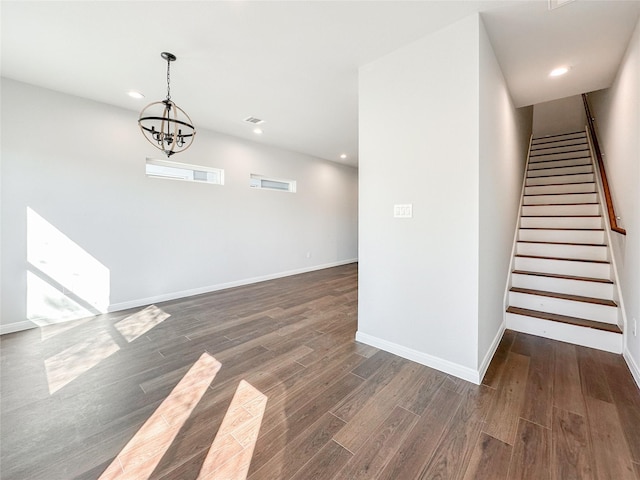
{"x":77,"y":396}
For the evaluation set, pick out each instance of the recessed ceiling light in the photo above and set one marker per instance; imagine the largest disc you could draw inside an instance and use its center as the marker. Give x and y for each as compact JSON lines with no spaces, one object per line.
{"x":136,"y":95}
{"x":556,"y":72}
{"x":257,"y":131}
{"x":343,"y":156}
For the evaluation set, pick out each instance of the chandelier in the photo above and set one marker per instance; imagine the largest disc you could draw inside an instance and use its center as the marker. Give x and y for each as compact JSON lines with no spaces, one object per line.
{"x":165,"y":125}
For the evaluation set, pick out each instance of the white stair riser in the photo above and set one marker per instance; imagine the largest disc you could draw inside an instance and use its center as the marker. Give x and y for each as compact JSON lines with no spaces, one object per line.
{"x":557,"y":156}
{"x":587,"y":337}
{"x":582,"y":252}
{"x":563,"y":285}
{"x":563,"y":267}
{"x":566,"y":188}
{"x":560,"y":179}
{"x":559,"y":163}
{"x":559,"y":138}
{"x":563,"y":198}
{"x":567,"y":210}
{"x":541,"y":143}
{"x":573,"y":236}
{"x":548,"y":172}
{"x":561,"y":222}
{"x":589,"y":311}
{"x":553,"y":148}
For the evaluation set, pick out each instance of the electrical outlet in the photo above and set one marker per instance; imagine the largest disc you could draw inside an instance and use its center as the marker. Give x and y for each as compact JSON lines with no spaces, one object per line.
{"x":635,"y":327}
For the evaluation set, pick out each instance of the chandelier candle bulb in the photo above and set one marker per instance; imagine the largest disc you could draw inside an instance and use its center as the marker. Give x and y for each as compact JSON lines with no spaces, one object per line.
{"x":162,"y":123}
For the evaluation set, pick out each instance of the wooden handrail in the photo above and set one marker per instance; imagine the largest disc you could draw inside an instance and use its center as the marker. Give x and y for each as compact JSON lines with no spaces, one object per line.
{"x":613,"y":221}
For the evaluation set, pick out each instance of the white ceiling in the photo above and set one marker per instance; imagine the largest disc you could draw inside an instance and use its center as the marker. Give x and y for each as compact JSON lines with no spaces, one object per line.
{"x":292,"y":63}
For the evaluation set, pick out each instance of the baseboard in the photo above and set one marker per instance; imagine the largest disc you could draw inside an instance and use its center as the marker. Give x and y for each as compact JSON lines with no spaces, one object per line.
{"x":441,"y":364}
{"x":26,"y":325}
{"x":491,"y":352}
{"x":16,"y":327}
{"x":633,"y":366}
{"x":222,"y":286}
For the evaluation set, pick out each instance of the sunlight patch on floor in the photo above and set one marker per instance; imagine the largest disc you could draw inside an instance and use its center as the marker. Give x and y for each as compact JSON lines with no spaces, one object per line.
{"x":141,"y":322}
{"x":48,"y":332}
{"x":66,"y":366}
{"x":141,"y":455}
{"x":230,"y":454}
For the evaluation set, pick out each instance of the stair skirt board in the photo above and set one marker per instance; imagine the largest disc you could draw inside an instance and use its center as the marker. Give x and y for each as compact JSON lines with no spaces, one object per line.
{"x":564,"y":332}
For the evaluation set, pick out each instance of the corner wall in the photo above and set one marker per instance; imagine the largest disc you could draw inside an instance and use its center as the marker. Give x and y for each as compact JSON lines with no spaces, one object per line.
{"x":504,"y":141}
{"x":74,"y":169}
{"x":617,"y":112}
{"x":421,"y":143}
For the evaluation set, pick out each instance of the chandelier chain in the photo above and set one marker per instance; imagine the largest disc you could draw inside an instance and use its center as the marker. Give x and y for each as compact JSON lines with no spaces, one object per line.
{"x":168,"y":80}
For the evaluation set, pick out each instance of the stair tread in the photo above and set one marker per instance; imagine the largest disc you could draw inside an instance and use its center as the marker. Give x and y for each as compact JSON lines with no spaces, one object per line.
{"x":560,"y":204}
{"x":556,"y":193}
{"x":559,"y":135}
{"x":566,"y":277}
{"x":588,"y":164}
{"x":561,"y":153}
{"x":564,"y":259}
{"x":564,"y":243}
{"x":532,"y":160}
{"x":558,"y":228}
{"x":556,"y":175}
{"x":554,"y":317}
{"x":578,"y":142}
{"x":560,"y":184}
{"x":565,"y":296}
{"x":560,"y":216}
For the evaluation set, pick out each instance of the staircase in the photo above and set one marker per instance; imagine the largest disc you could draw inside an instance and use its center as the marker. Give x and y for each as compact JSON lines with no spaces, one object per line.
{"x":562,"y":282}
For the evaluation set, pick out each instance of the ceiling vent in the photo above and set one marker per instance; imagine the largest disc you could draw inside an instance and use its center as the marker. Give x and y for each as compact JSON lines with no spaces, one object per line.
{"x":253,"y":120}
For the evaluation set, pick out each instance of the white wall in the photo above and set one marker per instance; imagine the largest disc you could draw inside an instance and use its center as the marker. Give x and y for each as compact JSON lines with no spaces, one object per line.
{"x":420,"y":144}
{"x":79,"y":165}
{"x":504,"y":139}
{"x":559,"y":116}
{"x":617,"y":112}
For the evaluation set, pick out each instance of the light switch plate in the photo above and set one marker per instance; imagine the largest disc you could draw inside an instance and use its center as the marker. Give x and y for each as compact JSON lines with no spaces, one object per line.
{"x":403,"y":211}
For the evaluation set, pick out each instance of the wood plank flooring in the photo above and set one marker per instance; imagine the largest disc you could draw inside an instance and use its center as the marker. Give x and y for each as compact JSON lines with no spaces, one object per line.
{"x":85,"y":399}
